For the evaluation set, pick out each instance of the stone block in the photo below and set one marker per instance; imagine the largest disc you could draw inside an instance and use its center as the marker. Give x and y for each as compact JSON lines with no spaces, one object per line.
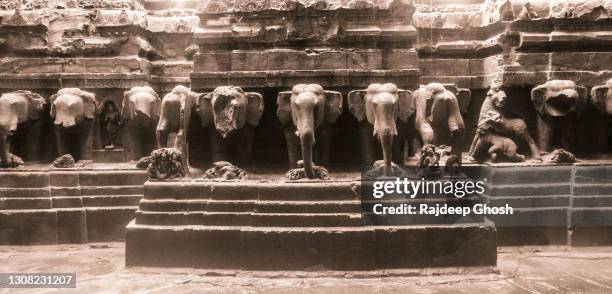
{"x":113,"y":178}
{"x":24,"y":180}
{"x":24,"y":192}
{"x":31,"y":227}
{"x":64,"y":178}
{"x":71,"y":226}
{"x":365,"y":59}
{"x":111,"y":190}
{"x":76,"y":191}
{"x":211,"y":61}
{"x":215,"y":248}
{"x":119,"y":200}
{"x":462,"y":245}
{"x":330,"y":60}
{"x":233,"y":191}
{"x":531,"y":235}
{"x":529,"y":175}
{"x":307,"y":191}
{"x":532,"y":190}
{"x":400,"y":59}
{"x":65,"y":202}
{"x":592,"y":217}
{"x":306,"y":220}
{"x":285,"y":59}
{"x":592,"y":236}
{"x":533,"y":217}
{"x":177,"y":190}
{"x":108,"y":224}
{"x":249,"y":60}
{"x":310,"y":249}
{"x":24,"y":203}
{"x":593,"y":174}
{"x":401,"y":248}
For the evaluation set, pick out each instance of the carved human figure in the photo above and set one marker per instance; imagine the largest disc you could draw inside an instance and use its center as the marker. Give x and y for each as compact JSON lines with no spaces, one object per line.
{"x":601,"y":96}
{"x":498,"y":147}
{"x":140,"y":113}
{"x":386,"y":116}
{"x":16,"y":108}
{"x":307,"y":113}
{"x":73,"y":111}
{"x":558,"y":104}
{"x":110,"y":120}
{"x":233,"y":116}
{"x":438,"y":115}
{"x":175,"y":114}
{"x":493,"y":115}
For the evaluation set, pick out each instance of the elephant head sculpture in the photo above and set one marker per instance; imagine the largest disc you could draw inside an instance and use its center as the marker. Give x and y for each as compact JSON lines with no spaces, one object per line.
{"x":386,"y":115}
{"x":73,"y":111}
{"x":175,"y":114}
{"x":601,"y":97}
{"x":232,"y":115}
{"x":438,"y":115}
{"x":140,"y":112}
{"x":307,"y":113}
{"x":558,"y":103}
{"x":15,"y":108}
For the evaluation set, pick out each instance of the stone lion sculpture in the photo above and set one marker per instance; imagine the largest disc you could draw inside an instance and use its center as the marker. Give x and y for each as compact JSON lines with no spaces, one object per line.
{"x":496,"y":146}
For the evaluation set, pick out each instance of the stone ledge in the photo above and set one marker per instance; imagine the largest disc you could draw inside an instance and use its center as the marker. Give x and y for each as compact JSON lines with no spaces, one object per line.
{"x":350,"y":248}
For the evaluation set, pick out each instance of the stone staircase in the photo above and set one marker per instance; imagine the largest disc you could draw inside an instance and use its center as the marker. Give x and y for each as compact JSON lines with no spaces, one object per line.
{"x":288,"y":226}
{"x":67,"y":206}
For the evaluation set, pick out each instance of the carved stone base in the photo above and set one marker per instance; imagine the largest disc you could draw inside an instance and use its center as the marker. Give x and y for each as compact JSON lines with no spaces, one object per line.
{"x":166,"y":163}
{"x":380,"y":170}
{"x":14,"y":161}
{"x":225,"y":171}
{"x":295,"y":174}
{"x":64,"y":161}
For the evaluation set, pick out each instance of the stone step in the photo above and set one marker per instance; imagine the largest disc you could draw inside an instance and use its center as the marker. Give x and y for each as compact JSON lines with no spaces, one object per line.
{"x":248,"y":219}
{"x":25,"y":203}
{"x":311,"y":248}
{"x":251,"y":206}
{"x":592,"y":201}
{"x":16,"y":179}
{"x":25,"y":192}
{"x":112,"y":178}
{"x":114,"y":200}
{"x":112,"y":190}
{"x":251,"y":190}
{"x":108,"y":156}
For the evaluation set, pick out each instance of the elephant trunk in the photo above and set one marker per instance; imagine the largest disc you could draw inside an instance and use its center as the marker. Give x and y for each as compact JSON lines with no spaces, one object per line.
{"x":386,"y":141}
{"x":307,"y":141}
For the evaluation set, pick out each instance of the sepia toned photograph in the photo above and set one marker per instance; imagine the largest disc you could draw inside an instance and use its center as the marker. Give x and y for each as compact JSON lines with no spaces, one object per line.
{"x":306,"y":146}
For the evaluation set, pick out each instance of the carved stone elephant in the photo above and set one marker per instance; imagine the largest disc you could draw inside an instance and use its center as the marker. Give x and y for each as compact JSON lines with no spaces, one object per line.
{"x":386,"y":117}
{"x":307,"y":113}
{"x":140,"y":113}
{"x":175,"y":114}
{"x":16,"y":108}
{"x":558,"y":104}
{"x":495,"y":105}
{"x":73,"y":111}
{"x":601,"y":96}
{"x":233,"y":115}
{"x":438,"y":115}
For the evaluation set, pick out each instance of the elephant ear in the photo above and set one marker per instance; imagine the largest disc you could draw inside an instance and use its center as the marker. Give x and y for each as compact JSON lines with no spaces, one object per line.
{"x":205,"y":109}
{"x":283,"y":102}
{"x":156,"y":105}
{"x":464,"y":97}
{"x":255,"y":107}
{"x":127,"y":108}
{"x":89,"y":104}
{"x":599,"y":95}
{"x":357,"y":104}
{"x":583,"y":94}
{"x":333,"y":106}
{"x":37,"y":103}
{"x":52,"y":102}
{"x":538,"y":97}
{"x":407,"y":105}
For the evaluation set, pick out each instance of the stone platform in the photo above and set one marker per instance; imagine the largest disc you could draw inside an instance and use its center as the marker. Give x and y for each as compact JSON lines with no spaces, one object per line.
{"x":39,"y":205}
{"x":288,"y":226}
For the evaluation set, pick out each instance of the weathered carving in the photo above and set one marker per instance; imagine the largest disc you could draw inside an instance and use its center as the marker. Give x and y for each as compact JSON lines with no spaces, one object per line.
{"x":438,"y":115}
{"x":166,"y":163}
{"x":73,"y":111}
{"x":493,"y":120}
{"x":307,"y":113}
{"x":299,"y":173}
{"x":528,"y":12}
{"x":233,"y":116}
{"x":64,"y":161}
{"x":558,"y":103}
{"x":140,"y":112}
{"x":16,"y":108}
{"x":225,"y":171}
{"x":175,"y":114}
{"x":386,"y":114}
{"x":499,"y":148}
{"x":560,"y":156}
